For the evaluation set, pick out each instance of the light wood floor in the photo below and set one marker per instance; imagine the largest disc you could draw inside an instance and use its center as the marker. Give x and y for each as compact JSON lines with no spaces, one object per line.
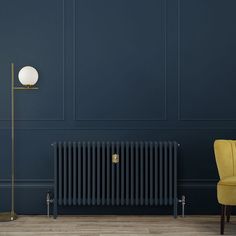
{"x":115,"y":226}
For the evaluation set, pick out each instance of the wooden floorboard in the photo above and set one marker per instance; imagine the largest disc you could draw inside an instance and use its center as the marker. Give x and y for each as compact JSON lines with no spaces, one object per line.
{"x":115,"y":226}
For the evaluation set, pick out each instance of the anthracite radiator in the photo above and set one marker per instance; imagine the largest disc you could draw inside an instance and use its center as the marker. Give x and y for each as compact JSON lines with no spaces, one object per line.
{"x":115,"y":174}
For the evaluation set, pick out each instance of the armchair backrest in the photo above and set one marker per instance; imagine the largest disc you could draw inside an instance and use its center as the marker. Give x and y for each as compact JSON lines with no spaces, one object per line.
{"x":225,"y":154}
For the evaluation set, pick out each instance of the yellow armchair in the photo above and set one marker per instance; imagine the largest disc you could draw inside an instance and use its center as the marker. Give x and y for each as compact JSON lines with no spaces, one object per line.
{"x":225,"y":154}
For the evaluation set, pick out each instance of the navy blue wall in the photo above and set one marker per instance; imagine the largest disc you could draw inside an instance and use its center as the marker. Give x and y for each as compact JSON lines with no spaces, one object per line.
{"x":118,"y":70}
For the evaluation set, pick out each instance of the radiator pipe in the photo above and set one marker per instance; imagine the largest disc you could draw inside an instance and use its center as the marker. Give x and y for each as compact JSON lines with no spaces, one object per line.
{"x":49,"y":200}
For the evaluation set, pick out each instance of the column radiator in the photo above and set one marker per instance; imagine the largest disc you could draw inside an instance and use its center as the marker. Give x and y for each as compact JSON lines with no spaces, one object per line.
{"x":115,"y":174}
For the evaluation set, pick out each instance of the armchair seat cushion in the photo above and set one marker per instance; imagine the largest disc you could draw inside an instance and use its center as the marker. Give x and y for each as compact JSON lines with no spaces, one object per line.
{"x":226,"y":191}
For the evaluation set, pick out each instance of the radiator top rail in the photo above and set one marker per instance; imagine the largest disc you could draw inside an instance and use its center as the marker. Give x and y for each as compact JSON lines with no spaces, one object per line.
{"x":52,"y":144}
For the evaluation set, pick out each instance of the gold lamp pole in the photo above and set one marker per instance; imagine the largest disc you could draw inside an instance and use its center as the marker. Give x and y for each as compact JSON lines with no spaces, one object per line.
{"x":28,"y":77}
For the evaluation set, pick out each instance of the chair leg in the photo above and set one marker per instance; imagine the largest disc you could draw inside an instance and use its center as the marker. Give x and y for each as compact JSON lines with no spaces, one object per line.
{"x":222,"y":225}
{"x":228,"y":212}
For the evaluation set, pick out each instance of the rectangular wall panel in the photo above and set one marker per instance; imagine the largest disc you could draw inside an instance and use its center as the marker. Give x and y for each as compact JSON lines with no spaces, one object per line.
{"x":120,"y":60}
{"x":206,"y":59}
{"x":32,"y":33}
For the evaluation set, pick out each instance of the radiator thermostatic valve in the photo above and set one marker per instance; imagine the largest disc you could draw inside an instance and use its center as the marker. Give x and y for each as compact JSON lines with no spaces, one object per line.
{"x":49,"y":200}
{"x":183,"y":202}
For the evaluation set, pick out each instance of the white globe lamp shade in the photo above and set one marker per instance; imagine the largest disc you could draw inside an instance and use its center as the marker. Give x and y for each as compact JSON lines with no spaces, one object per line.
{"x":28,"y":76}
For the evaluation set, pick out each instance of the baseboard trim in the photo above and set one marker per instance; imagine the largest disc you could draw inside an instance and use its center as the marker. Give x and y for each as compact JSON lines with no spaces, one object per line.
{"x":38,"y":183}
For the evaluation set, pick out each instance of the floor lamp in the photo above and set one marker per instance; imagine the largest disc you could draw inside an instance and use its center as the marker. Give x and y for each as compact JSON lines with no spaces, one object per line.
{"x":28,"y":77}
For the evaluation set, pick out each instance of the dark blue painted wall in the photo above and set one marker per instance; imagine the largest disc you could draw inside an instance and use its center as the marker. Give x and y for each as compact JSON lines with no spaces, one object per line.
{"x":117,"y":70}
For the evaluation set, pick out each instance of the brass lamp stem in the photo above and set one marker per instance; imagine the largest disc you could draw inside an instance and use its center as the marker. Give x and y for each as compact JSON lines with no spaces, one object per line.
{"x":12,"y":145}
{"x":9,"y":216}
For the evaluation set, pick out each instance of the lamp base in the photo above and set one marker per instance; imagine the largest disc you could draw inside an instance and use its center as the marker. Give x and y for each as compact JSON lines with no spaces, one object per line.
{"x":7,"y":216}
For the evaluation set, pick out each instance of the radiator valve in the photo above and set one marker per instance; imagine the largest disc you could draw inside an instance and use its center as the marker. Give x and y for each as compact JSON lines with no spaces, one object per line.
{"x":183,"y":202}
{"x":49,"y":200}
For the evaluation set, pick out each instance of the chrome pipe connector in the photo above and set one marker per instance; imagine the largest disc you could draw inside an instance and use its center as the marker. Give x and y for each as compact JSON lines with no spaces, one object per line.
{"x":49,"y":200}
{"x":183,"y":202}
